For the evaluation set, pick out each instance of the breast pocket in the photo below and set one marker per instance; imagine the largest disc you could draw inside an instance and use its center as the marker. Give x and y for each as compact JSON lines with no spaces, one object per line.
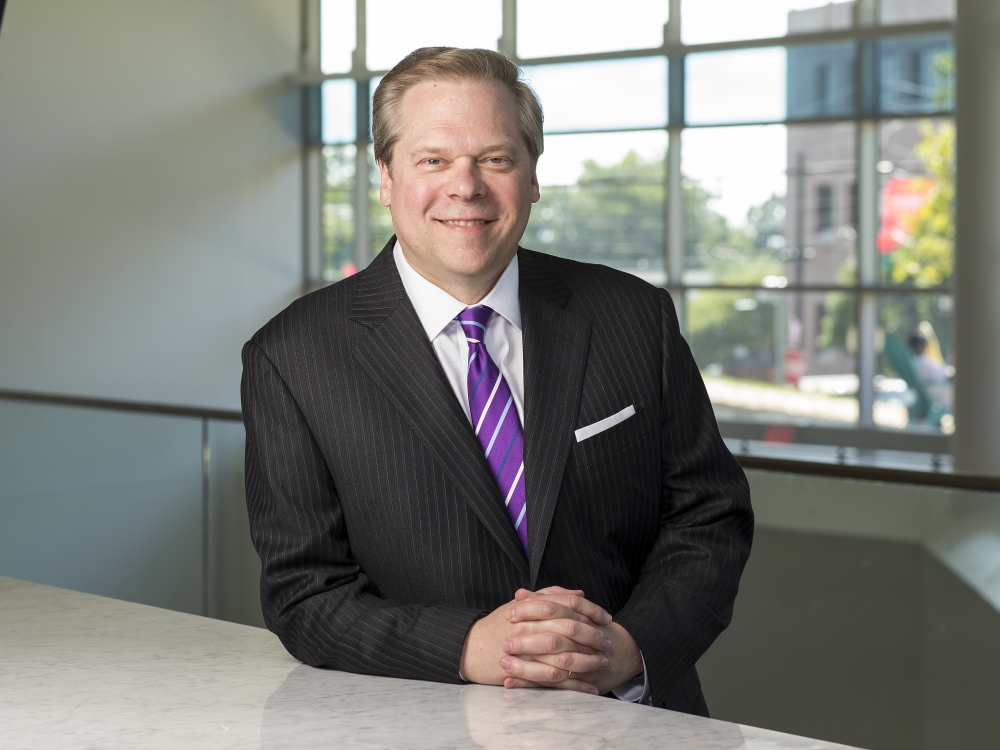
{"x":620,"y":436}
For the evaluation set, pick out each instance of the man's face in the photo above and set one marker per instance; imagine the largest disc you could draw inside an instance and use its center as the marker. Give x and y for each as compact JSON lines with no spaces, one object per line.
{"x":461,"y":183}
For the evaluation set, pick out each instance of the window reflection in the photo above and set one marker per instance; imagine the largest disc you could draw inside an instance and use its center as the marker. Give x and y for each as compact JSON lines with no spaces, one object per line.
{"x":820,"y":80}
{"x":916,"y":74}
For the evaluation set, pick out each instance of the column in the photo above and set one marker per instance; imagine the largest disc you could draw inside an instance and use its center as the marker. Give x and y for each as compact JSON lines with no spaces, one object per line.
{"x":977,"y":243}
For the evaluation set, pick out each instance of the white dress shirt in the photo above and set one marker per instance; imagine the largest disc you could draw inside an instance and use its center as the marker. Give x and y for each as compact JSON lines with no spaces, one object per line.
{"x":436,"y":310}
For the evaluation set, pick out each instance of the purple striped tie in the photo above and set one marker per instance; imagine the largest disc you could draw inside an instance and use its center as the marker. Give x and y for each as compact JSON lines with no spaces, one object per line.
{"x":495,"y":419}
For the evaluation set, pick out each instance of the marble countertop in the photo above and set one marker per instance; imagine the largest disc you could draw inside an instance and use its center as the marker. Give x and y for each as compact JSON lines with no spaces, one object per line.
{"x":83,"y":671}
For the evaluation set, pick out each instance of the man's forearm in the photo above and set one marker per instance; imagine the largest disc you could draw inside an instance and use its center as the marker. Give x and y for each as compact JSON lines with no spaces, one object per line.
{"x":364,"y":634}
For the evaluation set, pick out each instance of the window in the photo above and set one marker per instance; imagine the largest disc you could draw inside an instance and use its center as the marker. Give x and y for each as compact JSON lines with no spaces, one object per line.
{"x":824,"y":208}
{"x":784,"y":167}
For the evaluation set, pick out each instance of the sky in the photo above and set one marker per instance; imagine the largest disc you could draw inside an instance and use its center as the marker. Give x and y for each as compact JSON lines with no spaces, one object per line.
{"x":744,"y":165}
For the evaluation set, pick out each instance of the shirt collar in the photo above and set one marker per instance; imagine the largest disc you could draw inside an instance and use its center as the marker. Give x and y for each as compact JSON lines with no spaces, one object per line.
{"x":436,"y":308}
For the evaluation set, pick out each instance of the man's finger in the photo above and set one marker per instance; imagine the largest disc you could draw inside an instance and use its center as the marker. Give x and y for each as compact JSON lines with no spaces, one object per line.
{"x":583,"y":633}
{"x":512,"y":683}
{"x":535,"y":671}
{"x":549,"y":606}
{"x":573,"y":662}
{"x":521,"y":594}
{"x":545,"y":642}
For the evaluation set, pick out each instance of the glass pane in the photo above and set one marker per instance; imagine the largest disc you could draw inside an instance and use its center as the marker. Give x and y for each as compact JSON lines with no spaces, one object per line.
{"x":603,"y":200}
{"x":731,"y":87}
{"x":821,"y":205}
{"x":724,"y":20}
{"x":547,"y":28}
{"x":760,"y":363}
{"x":397,"y":27}
{"x":916,"y":11}
{"x":914,"y":387}
{"x":917,"y":74}
{"x":339,"y":114}
{"x":338,"y":212}
{"x":916,"y":238}
{"x":107,"y":502}
{"x":372,"y":86}
{"x":821,"y":80}
{"x":379,"y":218}
{"x":337,"y":35}
{"x":632,"y":94}
{"x":734,"y":213}
{"x":755,"y":195}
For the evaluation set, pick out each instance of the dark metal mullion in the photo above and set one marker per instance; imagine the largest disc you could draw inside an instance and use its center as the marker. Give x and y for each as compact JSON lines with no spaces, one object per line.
{"x":852,"y":34}
{"x":206,"y":469}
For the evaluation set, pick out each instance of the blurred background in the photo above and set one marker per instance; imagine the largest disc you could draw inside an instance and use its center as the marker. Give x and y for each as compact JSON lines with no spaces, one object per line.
{"x":784,"y":167}
{"x":174,"y":174}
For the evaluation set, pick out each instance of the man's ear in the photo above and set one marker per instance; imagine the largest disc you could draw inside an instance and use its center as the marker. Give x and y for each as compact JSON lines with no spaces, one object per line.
{"x":384,"y":185}
{"x":536,"y":192}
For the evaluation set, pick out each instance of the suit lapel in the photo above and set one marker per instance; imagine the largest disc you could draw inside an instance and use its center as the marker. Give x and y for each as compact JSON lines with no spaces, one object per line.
{"x":556,"y":343}
{"x":401,"y":362}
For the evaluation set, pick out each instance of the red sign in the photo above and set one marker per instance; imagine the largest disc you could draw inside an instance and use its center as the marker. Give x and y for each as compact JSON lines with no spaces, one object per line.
{"x":902,"y":199}
{"x":795,"y":366}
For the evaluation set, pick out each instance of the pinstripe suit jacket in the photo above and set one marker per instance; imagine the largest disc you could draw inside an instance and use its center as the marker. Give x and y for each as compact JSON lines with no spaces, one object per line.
{"x":381,"y":531}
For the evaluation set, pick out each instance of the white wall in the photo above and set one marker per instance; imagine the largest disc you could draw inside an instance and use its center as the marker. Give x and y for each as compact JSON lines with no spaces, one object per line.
{"x":150,"y":211}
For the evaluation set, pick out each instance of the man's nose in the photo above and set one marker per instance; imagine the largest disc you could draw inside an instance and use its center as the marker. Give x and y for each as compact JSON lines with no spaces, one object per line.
{"x":466,"y":180}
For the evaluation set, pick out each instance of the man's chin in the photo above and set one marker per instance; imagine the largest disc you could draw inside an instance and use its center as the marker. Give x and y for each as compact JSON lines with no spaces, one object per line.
{"x":472,"y":261}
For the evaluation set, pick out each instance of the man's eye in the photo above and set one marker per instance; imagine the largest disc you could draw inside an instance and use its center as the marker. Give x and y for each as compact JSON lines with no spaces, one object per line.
{"x":432,"y":162}
{"x":497,"y":160}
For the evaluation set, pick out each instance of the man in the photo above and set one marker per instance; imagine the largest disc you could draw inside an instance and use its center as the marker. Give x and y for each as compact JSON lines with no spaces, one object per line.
{"x":475,"y":462}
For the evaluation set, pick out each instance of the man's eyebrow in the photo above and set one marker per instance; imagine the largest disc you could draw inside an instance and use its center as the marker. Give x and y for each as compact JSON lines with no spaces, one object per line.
{"x":434,"y":149}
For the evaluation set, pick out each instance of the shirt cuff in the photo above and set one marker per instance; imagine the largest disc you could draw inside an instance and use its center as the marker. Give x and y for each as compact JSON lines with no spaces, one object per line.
{"x":635,"y":690}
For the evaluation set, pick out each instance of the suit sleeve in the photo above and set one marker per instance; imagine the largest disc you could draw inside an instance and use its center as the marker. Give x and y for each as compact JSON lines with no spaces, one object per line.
{"x":687,"y":586}
{"x":314,"y":595}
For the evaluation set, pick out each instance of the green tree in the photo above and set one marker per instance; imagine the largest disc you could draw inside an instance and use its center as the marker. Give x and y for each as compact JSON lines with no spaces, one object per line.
{"x":338,"y":210}
{"x":926,"y":258}
{"x":734,"y":328}
{"x":613,"y":214}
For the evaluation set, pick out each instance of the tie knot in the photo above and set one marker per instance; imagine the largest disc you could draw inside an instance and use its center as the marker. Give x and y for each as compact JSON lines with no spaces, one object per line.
{"x":474,"y":320}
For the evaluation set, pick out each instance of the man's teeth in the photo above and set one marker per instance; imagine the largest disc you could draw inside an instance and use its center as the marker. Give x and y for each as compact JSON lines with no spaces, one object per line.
{"x":465,"y":223}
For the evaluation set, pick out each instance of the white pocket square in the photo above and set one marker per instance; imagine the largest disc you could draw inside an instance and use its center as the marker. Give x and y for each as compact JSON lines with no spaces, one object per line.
{"x":592,"y":429}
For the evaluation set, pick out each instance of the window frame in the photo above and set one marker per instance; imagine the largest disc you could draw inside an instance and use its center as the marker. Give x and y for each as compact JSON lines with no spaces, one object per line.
{"x":865,"y":32}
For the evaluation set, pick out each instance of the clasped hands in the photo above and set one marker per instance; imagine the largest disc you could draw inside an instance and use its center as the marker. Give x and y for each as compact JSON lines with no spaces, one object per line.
{"x":552,"y":638}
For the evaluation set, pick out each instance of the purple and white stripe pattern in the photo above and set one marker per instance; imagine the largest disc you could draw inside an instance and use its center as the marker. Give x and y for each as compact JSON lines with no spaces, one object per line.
{"x":495,"y":419}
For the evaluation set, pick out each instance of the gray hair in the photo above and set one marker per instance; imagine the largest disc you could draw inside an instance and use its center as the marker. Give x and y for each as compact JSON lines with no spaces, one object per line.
{"x":456,"y":64}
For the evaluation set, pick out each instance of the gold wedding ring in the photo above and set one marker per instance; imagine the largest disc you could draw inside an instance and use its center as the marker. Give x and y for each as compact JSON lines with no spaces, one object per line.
{"x":570,"y":675}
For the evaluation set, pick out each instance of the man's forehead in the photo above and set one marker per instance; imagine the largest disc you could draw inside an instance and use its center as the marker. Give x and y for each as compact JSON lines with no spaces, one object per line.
{"x":447,"y":113}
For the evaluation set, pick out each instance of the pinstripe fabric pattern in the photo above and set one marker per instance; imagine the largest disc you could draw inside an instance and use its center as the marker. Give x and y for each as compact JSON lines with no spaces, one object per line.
{"x":381,"y":531}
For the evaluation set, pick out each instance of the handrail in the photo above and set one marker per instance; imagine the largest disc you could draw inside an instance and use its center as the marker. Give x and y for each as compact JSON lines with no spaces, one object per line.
{"x":846,"y":437}
{"x":950,"y":480}
{"x":789,"y":466}
{"x":141,"y":407}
